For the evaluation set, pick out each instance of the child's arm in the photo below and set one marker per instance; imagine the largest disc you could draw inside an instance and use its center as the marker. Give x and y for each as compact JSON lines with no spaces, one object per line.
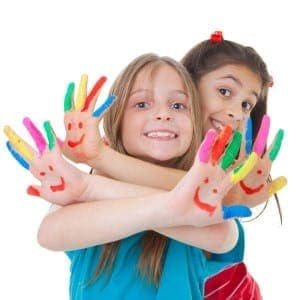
{"x":180,"y":205}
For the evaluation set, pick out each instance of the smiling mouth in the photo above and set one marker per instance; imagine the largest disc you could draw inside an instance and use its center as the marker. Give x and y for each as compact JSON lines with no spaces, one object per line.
{"x":58,"y":187}
{"x":74,"y":144}
{"x":203,"y":205}
{"x":248,"y":190}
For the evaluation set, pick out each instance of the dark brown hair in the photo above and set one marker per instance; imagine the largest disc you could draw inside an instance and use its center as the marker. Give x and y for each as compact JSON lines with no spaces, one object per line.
{"x":206,"y":57}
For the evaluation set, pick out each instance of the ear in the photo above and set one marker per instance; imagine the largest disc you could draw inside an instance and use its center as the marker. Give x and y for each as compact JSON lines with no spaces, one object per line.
{"x":106,"y":140}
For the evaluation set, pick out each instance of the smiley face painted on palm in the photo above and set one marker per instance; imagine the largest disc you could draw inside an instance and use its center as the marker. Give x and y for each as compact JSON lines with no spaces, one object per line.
{"x":210,"y":209}
{"x":251,"y":190}
{"x":79,"y":140}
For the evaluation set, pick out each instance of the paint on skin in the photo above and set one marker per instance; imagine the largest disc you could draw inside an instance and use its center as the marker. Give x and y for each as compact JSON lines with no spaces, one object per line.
{"x":248,"y":136}
{"x":68,"y":101}
{"x":232,"y":150}
{"x":241,"y":171}
{"x":37,"y":136}
{"x":59,"y":187}
{"x":277,"y":144}
{"x":262,"y":135}
{"x":93,"y":92}
{"x":50,"y":135}
{"x":18,"y":143}
{"x":106,"y":104}
{"x":236,"y":211}
{"x":74,"y":144}
{"x":33,"y":191}
{"x":202,"y":205}
{"x":277,"y":185}
{"x":248,"y":190}
{"x":17,"y":156}
{"x":206,"y":146}
{"x":81,"y":94}
{"x":220,"y":144}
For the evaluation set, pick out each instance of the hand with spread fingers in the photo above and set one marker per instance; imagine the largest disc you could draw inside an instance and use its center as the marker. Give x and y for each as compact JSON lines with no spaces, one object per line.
{"x":61,"y":182}
{"x":256,"y":187}
{"x":83,"y":140}
{"x":209,"y":180}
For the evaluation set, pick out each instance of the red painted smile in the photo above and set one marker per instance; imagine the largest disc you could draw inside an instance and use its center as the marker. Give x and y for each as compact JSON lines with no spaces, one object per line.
{"x":74,"y":144}
{"x":203,"y":205}
{"x":248,"y":190}
{"x":58,"y":187}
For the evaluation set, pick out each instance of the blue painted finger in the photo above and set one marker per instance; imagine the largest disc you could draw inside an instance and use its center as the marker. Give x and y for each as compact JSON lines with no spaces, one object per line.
{"x":236,"y":211}
{"x":19,"y":158}
{"x":107,"y":103}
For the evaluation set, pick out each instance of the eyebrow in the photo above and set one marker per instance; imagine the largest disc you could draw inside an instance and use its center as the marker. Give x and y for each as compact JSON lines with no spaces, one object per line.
{"x":148,"y":90}
{"x":236,"y":80}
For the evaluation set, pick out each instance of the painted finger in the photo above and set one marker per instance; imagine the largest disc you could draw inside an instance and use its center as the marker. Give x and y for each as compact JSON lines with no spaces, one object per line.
{"x":19,"y":144}
{"x":206,"y":145}
{"x":220,"y":144}
{"x":37,"y":136}
{"x":69,"y":97}
{"x":232,"y":150}
{"x":276,"y":185}
{"x":236,"y":211}
{"x":81,"y":94}
{"x":248,"y":136}
{"x":275,"y":147}
{"x":18,"y":157}
{"x":50,"y":135}
{"x":106,"y":104}
{"x":33,"y":190}
{"x":91,"y":98}
{"x":262,"y":135}
{"x":241,"y":171}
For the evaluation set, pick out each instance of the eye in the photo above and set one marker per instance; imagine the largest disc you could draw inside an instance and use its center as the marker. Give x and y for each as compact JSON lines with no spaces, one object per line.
{"x":225,"y":92}
{"x":178,"y":106}
{"x":142,"y":105}
{"x":247,"y":106}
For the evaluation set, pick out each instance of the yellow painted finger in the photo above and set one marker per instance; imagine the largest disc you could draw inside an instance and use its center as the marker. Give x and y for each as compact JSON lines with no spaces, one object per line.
{"x":277,"y":185}
{"x":240,"y":172}
{"x":18,"y":143}
{"x":81,"y":94}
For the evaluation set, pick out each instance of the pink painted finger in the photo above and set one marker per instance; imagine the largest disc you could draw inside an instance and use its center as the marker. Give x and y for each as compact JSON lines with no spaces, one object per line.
{"x":262,"y":135}
{"x":206,"y":145}
{"x":36,"y":135}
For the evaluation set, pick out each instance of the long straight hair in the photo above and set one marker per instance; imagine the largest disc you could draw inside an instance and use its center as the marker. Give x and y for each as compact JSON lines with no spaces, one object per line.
{"x":153,"y":244}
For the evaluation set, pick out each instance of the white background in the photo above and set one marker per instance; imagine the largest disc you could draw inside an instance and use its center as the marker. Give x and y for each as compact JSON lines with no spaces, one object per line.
{"x":46,"y":44}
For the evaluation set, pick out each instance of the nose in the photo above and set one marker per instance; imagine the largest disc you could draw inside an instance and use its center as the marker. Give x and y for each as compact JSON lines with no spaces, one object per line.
{"x":163,"y":114}
{"x":235,"y":113}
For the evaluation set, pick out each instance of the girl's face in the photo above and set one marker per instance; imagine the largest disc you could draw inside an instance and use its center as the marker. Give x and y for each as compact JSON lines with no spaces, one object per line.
{"x":227,"y":96}
{"x":157,"y":124}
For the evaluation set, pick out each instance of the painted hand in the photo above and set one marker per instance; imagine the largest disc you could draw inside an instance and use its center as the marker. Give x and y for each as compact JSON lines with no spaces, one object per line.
{"x":60,"y":182}
{"x":255,"y":188}
{"x":83,"y":140}
{"x":209,"y":180}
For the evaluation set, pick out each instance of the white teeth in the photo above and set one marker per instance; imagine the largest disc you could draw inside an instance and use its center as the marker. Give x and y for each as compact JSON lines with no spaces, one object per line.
{"x":157,"y":134}
{"x":217,"y":124}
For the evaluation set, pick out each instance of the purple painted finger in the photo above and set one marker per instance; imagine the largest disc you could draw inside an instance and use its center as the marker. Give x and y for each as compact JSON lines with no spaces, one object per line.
{"x":262,"y":135}
{"x":206,"y":146}
{"x":36,"y":135}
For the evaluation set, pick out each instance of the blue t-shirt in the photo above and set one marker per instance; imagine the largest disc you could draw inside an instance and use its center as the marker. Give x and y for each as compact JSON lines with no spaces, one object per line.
{"x":184,"y":272}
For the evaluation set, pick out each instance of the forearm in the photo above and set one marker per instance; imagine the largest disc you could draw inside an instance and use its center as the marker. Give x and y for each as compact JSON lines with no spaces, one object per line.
{"x":99,"y":222}
{"x":132,"y":170}
{"x":217,"y":238}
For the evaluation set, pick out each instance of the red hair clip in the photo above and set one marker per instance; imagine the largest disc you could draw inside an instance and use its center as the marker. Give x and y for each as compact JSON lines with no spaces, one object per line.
{"x":216,"y":37}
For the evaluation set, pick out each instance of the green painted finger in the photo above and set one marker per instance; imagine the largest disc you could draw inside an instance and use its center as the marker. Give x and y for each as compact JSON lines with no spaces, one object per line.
{"x":68,"y":102}
{"x":276,"y":145}
{"x":232,"y":150}
{"x":50,"y":135}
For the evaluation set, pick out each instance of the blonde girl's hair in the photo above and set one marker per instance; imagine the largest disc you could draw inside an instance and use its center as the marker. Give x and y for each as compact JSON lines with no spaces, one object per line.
{"x":153,"y":245}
